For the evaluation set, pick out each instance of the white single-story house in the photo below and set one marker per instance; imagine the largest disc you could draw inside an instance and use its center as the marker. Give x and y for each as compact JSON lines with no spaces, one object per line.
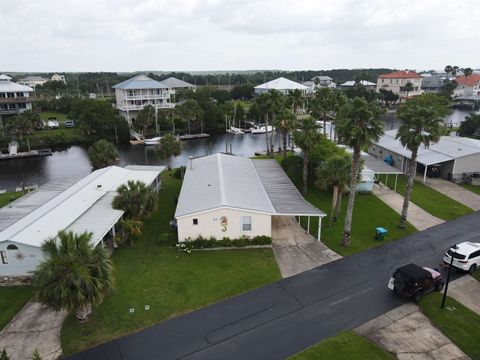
{"x":231,"y":196}
{"x":454,"y":155}
{"x":352,"y":83}
{"x":63,"y":204}
{"x":285,"y":86}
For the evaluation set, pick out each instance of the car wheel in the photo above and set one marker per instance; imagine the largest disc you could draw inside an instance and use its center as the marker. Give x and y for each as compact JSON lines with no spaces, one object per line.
{"x":472,"y":268}
{"x":439,"y":286}
{"x":417,"y":297}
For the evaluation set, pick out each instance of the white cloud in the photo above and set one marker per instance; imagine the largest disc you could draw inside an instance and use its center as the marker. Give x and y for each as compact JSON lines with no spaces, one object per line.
{"x":121,"y":35}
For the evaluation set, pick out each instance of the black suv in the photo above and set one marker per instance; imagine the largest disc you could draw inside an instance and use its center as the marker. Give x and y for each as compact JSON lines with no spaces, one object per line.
{"x":412,"y":281}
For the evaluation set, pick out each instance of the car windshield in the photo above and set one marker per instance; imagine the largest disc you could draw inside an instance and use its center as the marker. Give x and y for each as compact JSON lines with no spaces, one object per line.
{"x":455,"y":254}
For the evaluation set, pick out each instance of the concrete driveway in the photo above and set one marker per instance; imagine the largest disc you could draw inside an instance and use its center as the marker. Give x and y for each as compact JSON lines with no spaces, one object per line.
{"x":409,"y":335}
{"x":454,"y":191}
{"x":295,"y":250}
{"x":34,"y":327}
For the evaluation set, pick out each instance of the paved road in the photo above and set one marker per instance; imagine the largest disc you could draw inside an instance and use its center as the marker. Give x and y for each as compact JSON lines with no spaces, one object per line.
{"x":280,"y":319}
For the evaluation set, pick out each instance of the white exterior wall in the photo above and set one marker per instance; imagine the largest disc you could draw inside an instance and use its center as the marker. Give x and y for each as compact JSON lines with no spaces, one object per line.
{"x":20,"y":262}
{"x":209,"y":225}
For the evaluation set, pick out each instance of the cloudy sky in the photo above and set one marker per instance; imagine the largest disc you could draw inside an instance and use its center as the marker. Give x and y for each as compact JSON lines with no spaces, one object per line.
{"x":121,"y":35}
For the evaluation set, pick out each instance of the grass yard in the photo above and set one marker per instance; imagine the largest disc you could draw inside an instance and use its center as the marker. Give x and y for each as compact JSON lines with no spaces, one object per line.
{"x":171,"y":283}
{"x":345,"y":345}
{"x":456,"y":321}
{"x":430,"y":200}
{"x":49,"y":114}
{"x":12,"y":299}
{"x":8,"y":197}
{"x":474,"y":188}
{"x":369,"y":212}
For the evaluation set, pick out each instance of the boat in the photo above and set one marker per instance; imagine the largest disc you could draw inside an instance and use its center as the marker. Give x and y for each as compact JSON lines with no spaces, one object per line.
{"x":152,"y":141}
{"x":261,"y":129}
{"x":236,"y":131}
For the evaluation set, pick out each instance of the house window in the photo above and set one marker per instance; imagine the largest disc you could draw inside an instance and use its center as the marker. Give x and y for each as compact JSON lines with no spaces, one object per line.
{"x":12,"y":247}
{"x":246,"y":223}
{"x":195,"y":221}
{"x":3,"y":255}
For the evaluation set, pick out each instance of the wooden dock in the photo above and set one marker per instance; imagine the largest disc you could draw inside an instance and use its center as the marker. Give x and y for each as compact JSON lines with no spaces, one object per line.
{"x":27,"y":154}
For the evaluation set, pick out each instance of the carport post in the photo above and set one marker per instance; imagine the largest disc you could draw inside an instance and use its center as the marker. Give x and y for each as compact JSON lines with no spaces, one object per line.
{"x":425,"y":174}
{"x":319,"y":228}
{"x":396,"y":178}
{"x":308,"y":225}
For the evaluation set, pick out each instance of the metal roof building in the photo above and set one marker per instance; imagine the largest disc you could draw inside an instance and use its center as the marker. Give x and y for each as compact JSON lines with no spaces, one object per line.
{"x":282,"y":85}
{"x":220,"y":184}
{"x":77,"y":205}
{"x":456,"y":155}
{"x":140,"y":82}
{"x":175,"y":83}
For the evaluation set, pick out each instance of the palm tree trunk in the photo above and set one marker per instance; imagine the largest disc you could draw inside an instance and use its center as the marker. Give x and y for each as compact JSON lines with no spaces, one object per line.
{"x":339,"y":203}
{"x":305,"y":172}
{"x":266,"y":134}
{"x":412,"y":167}
{"x":284,"y":150}
{"x":334,"y":204}
{"x":351,"y":198}
{"x":83,"y":312}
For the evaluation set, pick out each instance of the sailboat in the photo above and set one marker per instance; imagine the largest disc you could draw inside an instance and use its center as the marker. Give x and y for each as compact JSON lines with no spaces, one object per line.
{"x":260,"y":129}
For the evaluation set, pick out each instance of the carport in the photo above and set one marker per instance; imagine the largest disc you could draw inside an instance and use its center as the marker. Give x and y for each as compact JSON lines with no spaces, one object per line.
{"x":379,"y":167}
{"x":284,"y":196}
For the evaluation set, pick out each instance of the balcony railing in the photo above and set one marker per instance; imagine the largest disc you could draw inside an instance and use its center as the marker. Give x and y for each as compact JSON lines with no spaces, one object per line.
{"x":148,"y":96}
{"x":15,"y":100}
{"x":140,"y":107}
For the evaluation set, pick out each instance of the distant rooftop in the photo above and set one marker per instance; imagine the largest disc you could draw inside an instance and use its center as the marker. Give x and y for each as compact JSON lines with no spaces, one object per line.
{"x":8,"y":86}
{"x":402,"y":74}
{"x":173,"y":82}
{"x":281,"y":84}
{"x":353,"y":83}
{"x":140,"y":82}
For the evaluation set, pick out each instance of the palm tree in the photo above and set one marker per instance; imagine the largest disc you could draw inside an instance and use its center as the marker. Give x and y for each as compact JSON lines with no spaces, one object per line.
{"x":75,"y":275}
{"x":306,"y":137}
{"x":285,"y":122}
{"x":449,"y":69}
{"x":467,"y":72}
{"x":407,"y":88}
{"x":129,"y":229}
{"x":357,"y":126}
{"x":102,"y":153}
{"x":421,"y":126}
{"x":275,"y":103}
{"x":136,"y":199}
{"x":145,"y":118}
{"x":295,"y":99}
{"x":168,"y":147}
{"x":190,"y":111}
{"x":261,"y":105}
{"x":334,"y":173}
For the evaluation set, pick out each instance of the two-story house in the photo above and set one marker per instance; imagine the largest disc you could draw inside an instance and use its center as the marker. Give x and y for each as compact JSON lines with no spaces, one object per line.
{"x":14,"y":98}
{"x":32,"y":81}
{"x":134,"y":94}
{"x":396,"y":82}
{"x":467,"y":85}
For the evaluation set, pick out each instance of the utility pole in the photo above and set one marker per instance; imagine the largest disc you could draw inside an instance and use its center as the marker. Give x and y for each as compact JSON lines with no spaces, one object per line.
{"x":448,"y":275}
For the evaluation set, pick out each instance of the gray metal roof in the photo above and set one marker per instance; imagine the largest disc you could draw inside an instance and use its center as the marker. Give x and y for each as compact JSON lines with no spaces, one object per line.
{"x":283,"y":194}
{"x":23,"y":206}
{"x":145,"y":167}
{"x":221,"y":180}
{"x":173,"y":82}
{"x":140,"y":82}
{"x":98,"y":219}
{"x":8,"y":86}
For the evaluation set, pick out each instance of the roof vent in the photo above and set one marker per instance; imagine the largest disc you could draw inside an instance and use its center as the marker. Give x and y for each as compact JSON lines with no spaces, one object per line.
{"x":99,"y":186}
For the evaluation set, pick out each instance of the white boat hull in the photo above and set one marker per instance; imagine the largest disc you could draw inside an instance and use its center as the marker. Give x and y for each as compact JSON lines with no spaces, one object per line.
{"x":261,"y":129}
{"x":152,"y":141}
{"x":236,"y":131}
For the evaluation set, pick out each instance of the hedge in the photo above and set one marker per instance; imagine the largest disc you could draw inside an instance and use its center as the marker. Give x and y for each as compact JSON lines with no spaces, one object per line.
{"x":201,"y":243}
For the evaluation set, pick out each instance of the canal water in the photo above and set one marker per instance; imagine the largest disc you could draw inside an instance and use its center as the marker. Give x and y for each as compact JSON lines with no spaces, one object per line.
{"x":73,"y":161}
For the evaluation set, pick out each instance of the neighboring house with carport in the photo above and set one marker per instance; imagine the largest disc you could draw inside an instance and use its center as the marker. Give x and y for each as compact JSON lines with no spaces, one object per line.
{"x":455,"y":157}
{"x":234,"y":197}
{"x":63,"y":204}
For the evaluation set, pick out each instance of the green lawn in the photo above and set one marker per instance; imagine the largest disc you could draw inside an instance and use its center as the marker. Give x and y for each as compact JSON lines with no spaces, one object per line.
{"x":12,"y":299}
{"x":430,"y":200}
{"x":345,"y":345}
{"x":456,"y":321}
{"x":171,"y":283}
{"x":49,"y":114}
{"x":369,"y":212}
{"x":474,"y":188}
{"x":8,"y":197}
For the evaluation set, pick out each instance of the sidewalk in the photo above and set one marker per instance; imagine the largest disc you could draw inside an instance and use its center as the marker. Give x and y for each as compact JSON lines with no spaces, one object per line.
{"x":418,"y":217}
{"x":34,"y":327}
{"x":454,"y":191}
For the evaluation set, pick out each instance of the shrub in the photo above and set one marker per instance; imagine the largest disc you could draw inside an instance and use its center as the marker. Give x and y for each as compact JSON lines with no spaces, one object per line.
{"x":202,"y":243}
